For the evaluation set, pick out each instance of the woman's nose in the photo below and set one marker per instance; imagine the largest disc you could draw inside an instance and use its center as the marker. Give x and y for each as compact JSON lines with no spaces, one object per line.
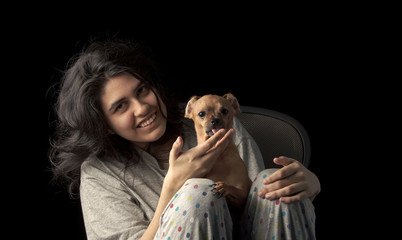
{"x":140,"y":108}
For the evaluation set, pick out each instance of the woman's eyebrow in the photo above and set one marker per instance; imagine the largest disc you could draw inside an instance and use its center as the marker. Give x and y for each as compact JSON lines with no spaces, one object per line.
{"x":115,"y":103}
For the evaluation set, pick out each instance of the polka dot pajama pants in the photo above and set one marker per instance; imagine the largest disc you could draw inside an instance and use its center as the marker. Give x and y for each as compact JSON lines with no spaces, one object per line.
{"x":196,"y":213}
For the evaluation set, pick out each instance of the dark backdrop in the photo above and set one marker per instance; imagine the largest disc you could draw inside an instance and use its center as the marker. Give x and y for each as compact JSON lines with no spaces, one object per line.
{"x":309,"y":68}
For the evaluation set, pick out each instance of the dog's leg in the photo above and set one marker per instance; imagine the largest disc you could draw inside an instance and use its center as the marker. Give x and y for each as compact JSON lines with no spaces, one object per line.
{"x":218,"y":189}
{"x":235,"y":196}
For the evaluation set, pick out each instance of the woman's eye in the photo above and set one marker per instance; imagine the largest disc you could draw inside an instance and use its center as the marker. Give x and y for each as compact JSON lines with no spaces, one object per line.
{"x":201,"y":114}
{"x":120,"y":107}
{"x":224,"y":111}
{"x":142,"y":90}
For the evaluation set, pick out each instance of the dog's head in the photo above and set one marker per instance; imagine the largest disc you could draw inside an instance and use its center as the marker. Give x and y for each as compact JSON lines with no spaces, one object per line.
{"x":212,"y":112}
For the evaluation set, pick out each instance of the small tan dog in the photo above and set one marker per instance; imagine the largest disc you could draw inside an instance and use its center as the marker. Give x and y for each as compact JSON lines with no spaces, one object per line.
{"x":211,"y":113}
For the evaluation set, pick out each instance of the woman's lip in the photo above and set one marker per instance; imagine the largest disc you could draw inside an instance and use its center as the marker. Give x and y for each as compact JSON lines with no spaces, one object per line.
{"x":148,"y":121}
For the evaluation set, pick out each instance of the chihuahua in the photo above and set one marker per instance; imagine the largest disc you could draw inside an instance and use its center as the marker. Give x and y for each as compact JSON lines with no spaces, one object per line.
{"x":210,"y":113}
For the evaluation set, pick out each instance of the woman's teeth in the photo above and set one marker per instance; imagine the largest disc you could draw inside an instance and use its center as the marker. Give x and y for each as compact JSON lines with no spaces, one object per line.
{"x":148,"y":121}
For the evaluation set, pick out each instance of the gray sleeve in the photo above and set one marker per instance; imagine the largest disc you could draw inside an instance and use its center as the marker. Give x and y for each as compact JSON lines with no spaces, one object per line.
{"x":109,"y":211}
{"x":248,"y":150}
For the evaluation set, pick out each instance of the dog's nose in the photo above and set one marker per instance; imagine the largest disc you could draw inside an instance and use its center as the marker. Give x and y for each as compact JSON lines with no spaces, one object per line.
{"x":215,"y":121}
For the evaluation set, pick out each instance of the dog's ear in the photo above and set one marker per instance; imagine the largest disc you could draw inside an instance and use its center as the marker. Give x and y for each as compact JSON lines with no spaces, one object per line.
{"x":189,"y":107}
{"x":233,"y":100}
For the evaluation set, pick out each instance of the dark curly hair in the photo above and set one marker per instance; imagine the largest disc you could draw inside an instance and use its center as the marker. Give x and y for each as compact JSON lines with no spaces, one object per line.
{"x":81,"y":130}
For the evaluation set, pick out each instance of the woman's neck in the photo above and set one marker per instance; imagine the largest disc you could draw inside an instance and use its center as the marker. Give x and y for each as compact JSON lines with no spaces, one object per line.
{"x":144,"y":146}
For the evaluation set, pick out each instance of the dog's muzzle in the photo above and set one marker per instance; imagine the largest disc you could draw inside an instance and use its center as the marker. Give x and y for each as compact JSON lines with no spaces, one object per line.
{"x":215,"y":125}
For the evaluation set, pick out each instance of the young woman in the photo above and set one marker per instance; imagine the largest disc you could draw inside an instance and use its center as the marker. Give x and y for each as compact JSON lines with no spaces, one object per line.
{"x":124,"y":146}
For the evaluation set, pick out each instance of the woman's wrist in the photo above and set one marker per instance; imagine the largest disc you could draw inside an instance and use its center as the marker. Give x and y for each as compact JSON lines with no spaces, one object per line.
{"x":171,"y":185}
{"x":317,"y":186}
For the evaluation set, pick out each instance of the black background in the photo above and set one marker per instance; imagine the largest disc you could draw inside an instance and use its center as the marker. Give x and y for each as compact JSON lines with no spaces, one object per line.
{"x":313,"y":66}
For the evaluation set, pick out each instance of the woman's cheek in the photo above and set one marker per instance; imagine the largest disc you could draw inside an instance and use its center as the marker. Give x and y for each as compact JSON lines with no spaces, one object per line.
{"x":124,"y":125}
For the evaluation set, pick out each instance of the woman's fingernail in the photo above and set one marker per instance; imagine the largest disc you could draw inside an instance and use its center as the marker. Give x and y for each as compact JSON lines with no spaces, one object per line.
{"x":268,"y":196}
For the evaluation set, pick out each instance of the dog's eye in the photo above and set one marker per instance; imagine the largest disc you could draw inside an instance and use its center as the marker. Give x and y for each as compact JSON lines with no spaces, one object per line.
{"x":201,"y":114}
{"x":224,"y":111}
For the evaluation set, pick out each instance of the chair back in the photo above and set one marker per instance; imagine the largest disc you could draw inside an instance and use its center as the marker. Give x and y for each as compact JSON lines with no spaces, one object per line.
{"x":276,"y":134}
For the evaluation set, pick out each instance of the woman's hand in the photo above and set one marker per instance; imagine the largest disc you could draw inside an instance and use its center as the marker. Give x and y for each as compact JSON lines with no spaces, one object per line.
{"x":197,"y":161}
{"x":291,"y":183}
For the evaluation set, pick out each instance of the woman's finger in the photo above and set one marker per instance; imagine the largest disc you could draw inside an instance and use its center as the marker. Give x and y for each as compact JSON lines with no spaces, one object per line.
{"x":298,"y":197}
{"x":282,"y":173}
{"x":222,"y":143}
{"x":290,"y":190}
{"x":282,"y":160}
{"x":176,"y":149}
{"x":217,"y":142}
{"x":280,"y":184}
{"x":202,"y":148}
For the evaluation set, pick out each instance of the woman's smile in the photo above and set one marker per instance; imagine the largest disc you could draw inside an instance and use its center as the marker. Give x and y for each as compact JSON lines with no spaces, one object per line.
{"x":149,"y":122}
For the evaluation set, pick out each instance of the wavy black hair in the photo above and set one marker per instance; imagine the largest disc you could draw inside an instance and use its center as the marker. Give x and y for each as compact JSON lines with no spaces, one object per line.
{"x":81,"y":130}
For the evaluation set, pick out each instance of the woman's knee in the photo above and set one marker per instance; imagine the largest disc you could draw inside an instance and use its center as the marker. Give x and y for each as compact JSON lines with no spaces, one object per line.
{"x":196,"y":188}
{"x":198,"y":185}
{"x":195,"y":203}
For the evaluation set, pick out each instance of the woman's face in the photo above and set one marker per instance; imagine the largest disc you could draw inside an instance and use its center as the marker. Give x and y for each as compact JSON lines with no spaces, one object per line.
{"x":132,"y":110}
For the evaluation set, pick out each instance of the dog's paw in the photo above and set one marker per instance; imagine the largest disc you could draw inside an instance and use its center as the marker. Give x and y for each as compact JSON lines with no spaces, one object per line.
{"x":218,"y":189}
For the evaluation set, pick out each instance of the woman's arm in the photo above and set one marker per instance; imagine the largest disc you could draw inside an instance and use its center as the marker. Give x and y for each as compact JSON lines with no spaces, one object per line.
{"x":168,"y":190}
{"x":110,"y":211}
{"x":195,"y":162}
{"x":291,"y":183}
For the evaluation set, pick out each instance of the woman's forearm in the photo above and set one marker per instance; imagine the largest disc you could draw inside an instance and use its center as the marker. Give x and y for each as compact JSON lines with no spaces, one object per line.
{"x":168,"y":191}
